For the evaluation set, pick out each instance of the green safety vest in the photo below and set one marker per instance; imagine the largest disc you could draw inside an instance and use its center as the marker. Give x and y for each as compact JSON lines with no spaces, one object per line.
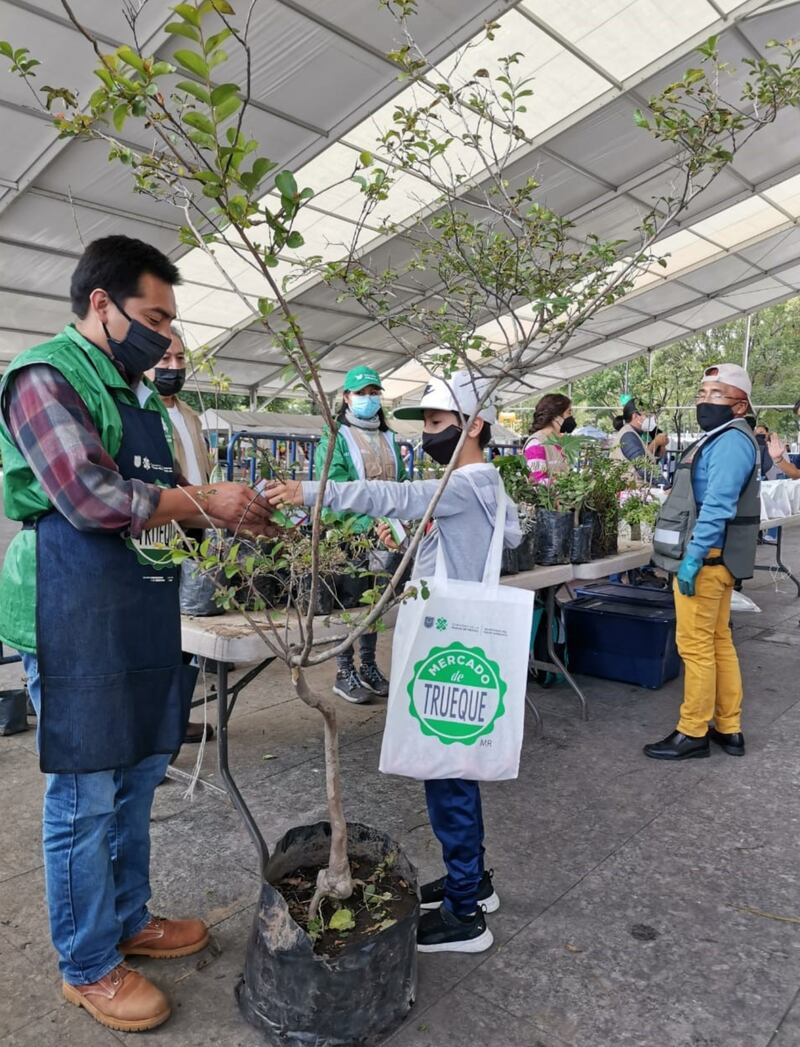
{"x":94,"y":377}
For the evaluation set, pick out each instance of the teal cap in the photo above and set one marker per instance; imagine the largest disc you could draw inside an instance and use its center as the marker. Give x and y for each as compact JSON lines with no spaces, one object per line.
{"x":359,"y":378}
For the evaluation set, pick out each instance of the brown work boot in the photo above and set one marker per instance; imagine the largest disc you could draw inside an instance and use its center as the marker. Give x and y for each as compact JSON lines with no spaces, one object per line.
{"x":166,"y":939}
{"x":123,"y":999}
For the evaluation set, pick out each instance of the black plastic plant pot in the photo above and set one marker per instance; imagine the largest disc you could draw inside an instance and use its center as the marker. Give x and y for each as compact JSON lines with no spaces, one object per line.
{"x":509,"y":562}
{"x":581,"y":548}
{"x":526,"y":550}
{"x":297,"y":997}
{"x":553,"y":537}
{"x":604,"y":540}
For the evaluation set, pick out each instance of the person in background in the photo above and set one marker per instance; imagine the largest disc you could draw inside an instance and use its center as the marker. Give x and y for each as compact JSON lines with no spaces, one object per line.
{"x":777,"y":451}
{"x":405,"y":457}
{"x":463,"y":524}
{"x":90,"y":599}
{"x":192,"y":456}
{"x":716,"y":486}
{"x":552,"y":416}
{"x":365,"y":449}
{"x":627,"y":444}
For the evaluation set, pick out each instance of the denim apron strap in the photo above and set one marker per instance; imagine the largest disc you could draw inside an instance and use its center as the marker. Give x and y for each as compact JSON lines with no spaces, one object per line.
{"x":114,"y":686}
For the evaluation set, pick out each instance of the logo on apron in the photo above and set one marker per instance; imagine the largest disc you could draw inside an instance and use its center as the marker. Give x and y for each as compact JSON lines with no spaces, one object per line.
{"x":456,"y":694}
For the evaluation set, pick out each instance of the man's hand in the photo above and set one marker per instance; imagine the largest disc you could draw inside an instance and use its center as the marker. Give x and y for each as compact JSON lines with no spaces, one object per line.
{"x":289,"y":493}
{"x":660,"y":441}
{"x":234,"y":506}
{"x":385,"y":534}
{"x":687,"y":573}
{"x":776,"y":447}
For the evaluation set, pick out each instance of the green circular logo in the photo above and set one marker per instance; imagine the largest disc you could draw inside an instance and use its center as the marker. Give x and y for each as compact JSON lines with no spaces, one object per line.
{"x":456,"y":694}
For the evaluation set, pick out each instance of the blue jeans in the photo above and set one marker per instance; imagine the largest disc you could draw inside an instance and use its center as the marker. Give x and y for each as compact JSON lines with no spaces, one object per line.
{"x":454,"y":808}
{"x":96,"y":836}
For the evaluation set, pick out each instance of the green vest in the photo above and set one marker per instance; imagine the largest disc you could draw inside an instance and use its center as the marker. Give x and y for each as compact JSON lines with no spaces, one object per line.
{"x":97,"y":381}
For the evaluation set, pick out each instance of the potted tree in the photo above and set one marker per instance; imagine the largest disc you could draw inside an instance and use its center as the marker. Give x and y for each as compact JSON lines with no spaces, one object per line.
{"x":499,"y":255}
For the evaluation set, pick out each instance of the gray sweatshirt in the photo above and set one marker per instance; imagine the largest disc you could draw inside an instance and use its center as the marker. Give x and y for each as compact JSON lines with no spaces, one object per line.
{"x":463,"y":519}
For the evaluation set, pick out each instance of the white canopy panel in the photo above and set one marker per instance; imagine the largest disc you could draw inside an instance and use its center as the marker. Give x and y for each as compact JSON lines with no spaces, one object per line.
{"x":322,"y":93}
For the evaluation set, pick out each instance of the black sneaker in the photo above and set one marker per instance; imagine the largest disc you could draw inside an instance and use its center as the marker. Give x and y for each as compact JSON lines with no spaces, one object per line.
{"x":442,"y":931}
{"x":348,"y":685}
{"x":373,"y":679}
{"x":433,"y":893}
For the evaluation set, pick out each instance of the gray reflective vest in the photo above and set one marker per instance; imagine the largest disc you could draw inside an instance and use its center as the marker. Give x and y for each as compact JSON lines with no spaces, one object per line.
{"x":678,"y":514}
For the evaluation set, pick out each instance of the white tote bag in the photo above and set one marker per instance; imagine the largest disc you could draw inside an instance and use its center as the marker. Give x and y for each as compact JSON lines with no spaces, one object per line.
{"x":459,"y":676}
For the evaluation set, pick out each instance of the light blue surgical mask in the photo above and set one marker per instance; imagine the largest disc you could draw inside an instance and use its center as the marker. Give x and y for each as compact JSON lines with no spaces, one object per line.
{"x":365,"y":406}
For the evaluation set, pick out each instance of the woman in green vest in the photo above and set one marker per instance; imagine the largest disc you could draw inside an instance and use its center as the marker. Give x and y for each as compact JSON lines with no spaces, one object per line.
{"x":365,"y":448}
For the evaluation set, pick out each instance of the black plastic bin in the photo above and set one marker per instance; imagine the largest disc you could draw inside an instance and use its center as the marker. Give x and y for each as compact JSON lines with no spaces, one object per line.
{"x":623,"y":639}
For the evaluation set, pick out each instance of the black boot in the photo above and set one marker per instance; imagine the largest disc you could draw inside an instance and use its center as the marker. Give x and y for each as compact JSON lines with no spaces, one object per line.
{"x":677,"y":746}
{"x":732,"y":744}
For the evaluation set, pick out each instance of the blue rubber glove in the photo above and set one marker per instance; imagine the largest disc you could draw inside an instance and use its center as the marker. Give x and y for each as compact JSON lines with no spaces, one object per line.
{"x":687,"y":572}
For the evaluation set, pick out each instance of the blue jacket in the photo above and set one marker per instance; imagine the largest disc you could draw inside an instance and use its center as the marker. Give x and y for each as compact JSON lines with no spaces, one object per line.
{"x":721,"y":470}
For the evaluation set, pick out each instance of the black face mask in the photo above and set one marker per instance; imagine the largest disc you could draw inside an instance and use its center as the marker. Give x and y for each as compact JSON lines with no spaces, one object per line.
{"x":169,"y":381}
{"x":140,"y":349}
{"x":712,"y":416}
{"x":761,"y":440}
{"x":568,"y":425}
{"x":440,"y":446}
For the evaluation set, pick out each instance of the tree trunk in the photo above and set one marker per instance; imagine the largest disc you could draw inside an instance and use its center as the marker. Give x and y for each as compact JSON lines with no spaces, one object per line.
{"x":335,"y":881}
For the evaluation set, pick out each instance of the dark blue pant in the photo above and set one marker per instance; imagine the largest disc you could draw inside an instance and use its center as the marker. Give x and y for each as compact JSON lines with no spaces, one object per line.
{"x":454,"y":808}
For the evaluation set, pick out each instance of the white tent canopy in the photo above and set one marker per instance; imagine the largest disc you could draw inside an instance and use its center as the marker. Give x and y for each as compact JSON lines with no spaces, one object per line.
{"x":317,"y":88}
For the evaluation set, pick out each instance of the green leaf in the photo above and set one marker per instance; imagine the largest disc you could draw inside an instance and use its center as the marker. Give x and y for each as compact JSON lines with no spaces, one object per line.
{"x":198,"y":121}
{"x":129,"y":56}
{"x":285,"y":184}
{"x":227,"y":108}
{"x":217,"y":58}
{"x":196,"y":90}
{"x":182,"y":29}
{"x":193,"y":62}
{"x":640,"y":119}
{"x":216,"y":40}
{"x":365,"y":159}
{"x":294,"y":239}
{"x":188,"y":13}
{"x":206,"y":141}
{"x":223,"y":93}
{"x":342,"y":920}
{"x":221,"y":6}
{"x":161,"y":69}
{"x":105,"y":76}
{"x":119,"y":115}
{"x":6,"y":49}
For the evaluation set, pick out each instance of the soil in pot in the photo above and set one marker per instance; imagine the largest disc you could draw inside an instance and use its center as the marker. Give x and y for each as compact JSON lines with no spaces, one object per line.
{"x":360,"y":992}
{"x":381,"y":898}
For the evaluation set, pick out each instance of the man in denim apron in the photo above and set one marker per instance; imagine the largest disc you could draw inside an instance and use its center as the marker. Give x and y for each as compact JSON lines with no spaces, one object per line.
{"x":89,"y":595}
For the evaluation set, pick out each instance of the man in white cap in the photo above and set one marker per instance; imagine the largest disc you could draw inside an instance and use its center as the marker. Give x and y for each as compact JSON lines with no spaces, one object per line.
{"x":463,"y":523}
{"x":706,"y":534}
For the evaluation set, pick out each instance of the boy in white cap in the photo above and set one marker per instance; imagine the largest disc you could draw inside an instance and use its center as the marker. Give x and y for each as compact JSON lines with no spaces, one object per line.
{"x":706,"y":533}
{"x":463,"y":523}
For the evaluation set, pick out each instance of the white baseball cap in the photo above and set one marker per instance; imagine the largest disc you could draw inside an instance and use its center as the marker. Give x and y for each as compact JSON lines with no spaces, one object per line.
{"x":730,"y":374}
{"x":459,"y":393}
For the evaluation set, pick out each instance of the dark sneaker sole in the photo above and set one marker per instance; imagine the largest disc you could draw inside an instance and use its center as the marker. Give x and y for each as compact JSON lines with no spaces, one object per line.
{"x":381,"y":692}
{"x":480,"y":944}
{"x":142,"y":1025}
{"x":698,"y":754}
{"x":352,"y":698}
{"x":490,"y":904}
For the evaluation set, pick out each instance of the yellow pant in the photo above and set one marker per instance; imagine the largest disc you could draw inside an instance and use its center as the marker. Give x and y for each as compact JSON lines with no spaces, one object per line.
{"x":713,"y":683}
